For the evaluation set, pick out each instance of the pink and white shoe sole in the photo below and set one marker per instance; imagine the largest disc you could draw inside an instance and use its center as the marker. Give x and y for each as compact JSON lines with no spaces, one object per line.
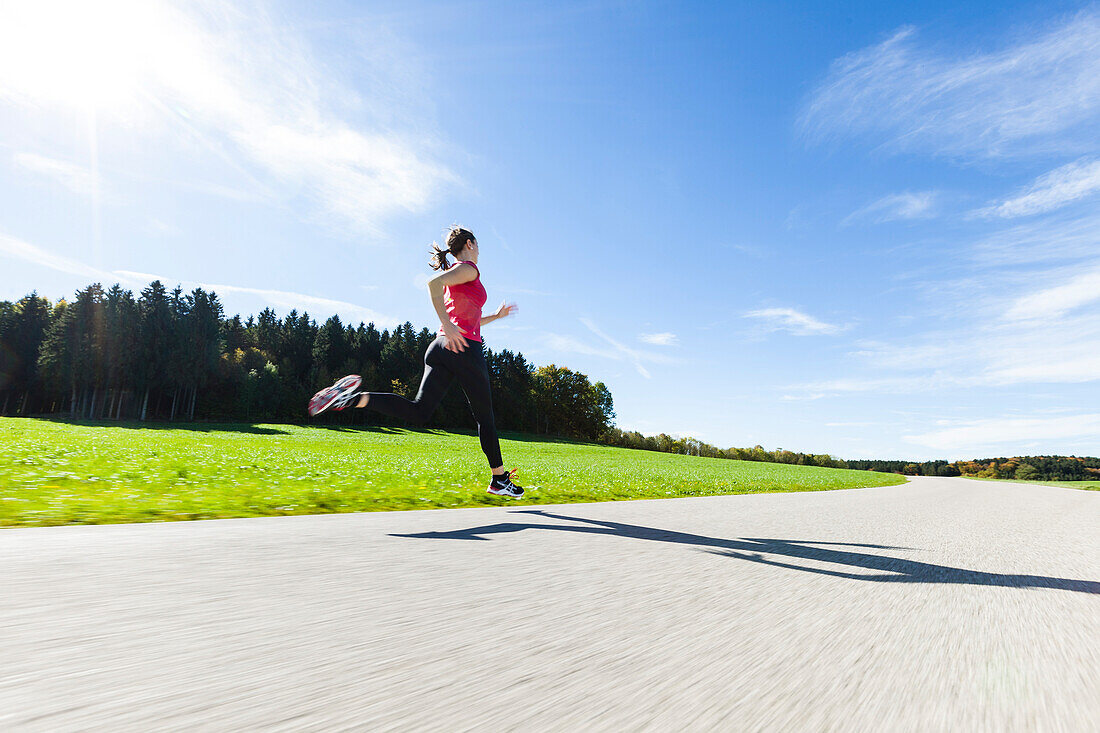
{"x":324,"y":399}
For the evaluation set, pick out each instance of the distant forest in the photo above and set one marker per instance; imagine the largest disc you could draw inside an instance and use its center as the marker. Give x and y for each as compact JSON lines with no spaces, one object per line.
{"x":1026,"y":468}
{"x":170,"y":355}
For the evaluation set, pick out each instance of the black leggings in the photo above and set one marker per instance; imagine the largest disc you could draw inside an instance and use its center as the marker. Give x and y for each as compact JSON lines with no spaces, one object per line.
{"x":441,"y":367}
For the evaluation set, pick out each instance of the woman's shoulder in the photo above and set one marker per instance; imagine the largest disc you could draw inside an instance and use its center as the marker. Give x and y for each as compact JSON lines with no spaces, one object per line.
{"x":470,"y":266}
{"x":468,"y":270}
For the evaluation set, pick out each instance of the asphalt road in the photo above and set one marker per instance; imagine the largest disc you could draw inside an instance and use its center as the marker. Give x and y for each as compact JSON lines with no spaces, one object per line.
{"x":944,"y":604}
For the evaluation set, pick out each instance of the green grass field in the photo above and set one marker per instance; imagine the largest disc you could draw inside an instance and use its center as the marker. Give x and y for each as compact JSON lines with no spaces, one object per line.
{"x":1086,"y":485}
{"x":54,"y":473}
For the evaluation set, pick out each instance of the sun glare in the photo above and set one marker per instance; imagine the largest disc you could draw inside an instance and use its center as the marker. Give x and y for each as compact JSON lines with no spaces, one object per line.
{"x":76,"y":53}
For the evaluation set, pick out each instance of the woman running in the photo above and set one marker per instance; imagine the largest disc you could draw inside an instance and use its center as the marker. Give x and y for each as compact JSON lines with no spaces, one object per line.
{"x":456,"y":353}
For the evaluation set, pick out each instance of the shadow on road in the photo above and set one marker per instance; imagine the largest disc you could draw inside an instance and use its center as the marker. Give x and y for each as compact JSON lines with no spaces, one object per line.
{"x":753,"y":549}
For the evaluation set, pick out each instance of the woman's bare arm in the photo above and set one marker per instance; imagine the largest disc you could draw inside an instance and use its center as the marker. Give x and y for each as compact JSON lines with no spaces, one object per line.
{"x":505,"y":310}
{"x":464,"y":273}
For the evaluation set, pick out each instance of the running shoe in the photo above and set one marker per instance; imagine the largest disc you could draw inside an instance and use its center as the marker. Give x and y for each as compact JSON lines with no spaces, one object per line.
{"x":502,"y":485}
{"x":337,"y":396}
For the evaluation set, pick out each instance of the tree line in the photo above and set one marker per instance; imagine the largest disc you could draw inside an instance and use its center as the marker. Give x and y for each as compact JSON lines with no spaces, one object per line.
{"x":171,"y":355}
{"x":694,"y":447}
{"x":1020,"y":468}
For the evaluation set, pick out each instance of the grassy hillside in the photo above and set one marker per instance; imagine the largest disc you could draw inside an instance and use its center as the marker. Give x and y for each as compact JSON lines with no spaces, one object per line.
{"x":62,"y":473}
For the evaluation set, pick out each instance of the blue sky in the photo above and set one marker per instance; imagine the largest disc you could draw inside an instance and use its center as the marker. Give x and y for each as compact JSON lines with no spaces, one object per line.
{"x":868,"y":230}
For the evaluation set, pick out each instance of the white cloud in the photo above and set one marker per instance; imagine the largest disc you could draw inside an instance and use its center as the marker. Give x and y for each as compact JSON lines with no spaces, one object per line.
{"x":1053,"y":302}
{"x":979,"y":355}
{"x":911,"y":97}
{"x":241,"y":83}
{"x":751,"y":250}
{"x":1066,"y":350}
{"x":1062,"y":369}
{"x":356,"y":176}
{"x":560,"y":342}
{"x":934,"y":382}
{"x":77,"y":178}
{"x":898,"y":206}
{"x":659,"y":339}
{"x":321,"y":307}
{"x":614,"y":349}
{"x":1020,"y":298}
{"x":1048,"y":239}
{"x":995,"y":433}
{"x":633,"y":355}
{"x":793,"y":321}
{"x":906,"y":357}
{"x":27,"y":252}
{"x":1050,"y":191}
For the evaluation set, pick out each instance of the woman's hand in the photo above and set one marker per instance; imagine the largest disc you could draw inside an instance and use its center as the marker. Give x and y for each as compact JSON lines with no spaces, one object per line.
{"x":506,"y":309}
{"x":453,"y":340}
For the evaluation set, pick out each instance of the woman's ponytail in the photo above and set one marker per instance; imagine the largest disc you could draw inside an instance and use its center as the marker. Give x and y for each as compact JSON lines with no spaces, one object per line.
{"x":438,"y":259}
{"x":457,"y":239}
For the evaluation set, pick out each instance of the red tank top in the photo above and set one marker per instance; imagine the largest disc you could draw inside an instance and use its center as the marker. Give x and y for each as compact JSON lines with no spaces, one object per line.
{"x":464,"y":302}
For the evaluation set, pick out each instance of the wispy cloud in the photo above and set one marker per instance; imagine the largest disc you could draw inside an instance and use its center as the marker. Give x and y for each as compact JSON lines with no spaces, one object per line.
{"x":319,"y":307}
{"x":793,"y":321}
{"x":659,"y":339}
{"x":611,"y":349}
{"x":906,"y":356}
{"x":1050,"y":191}
{"x":1034,"y":368}
{"x":912,"y":97}
{"x":1064,"y":350}
{"x":747,"y":249}
{"x":1022,"y":298}
{"x":1053,"y":302}
{"x":1051,"y":238}
{"x":323,"y":307}
{"x":636,"y":356}
{"x":979,"y":355}
{"x":77,"y":178}
{"x":897,"y":206}
{"x":570,"y":344}
{"x":27,"y":252}
{"x":239,"y":81}
{"x":1063,"y":354}
{"x":993,"y":434}
{"x":908,"y":384}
